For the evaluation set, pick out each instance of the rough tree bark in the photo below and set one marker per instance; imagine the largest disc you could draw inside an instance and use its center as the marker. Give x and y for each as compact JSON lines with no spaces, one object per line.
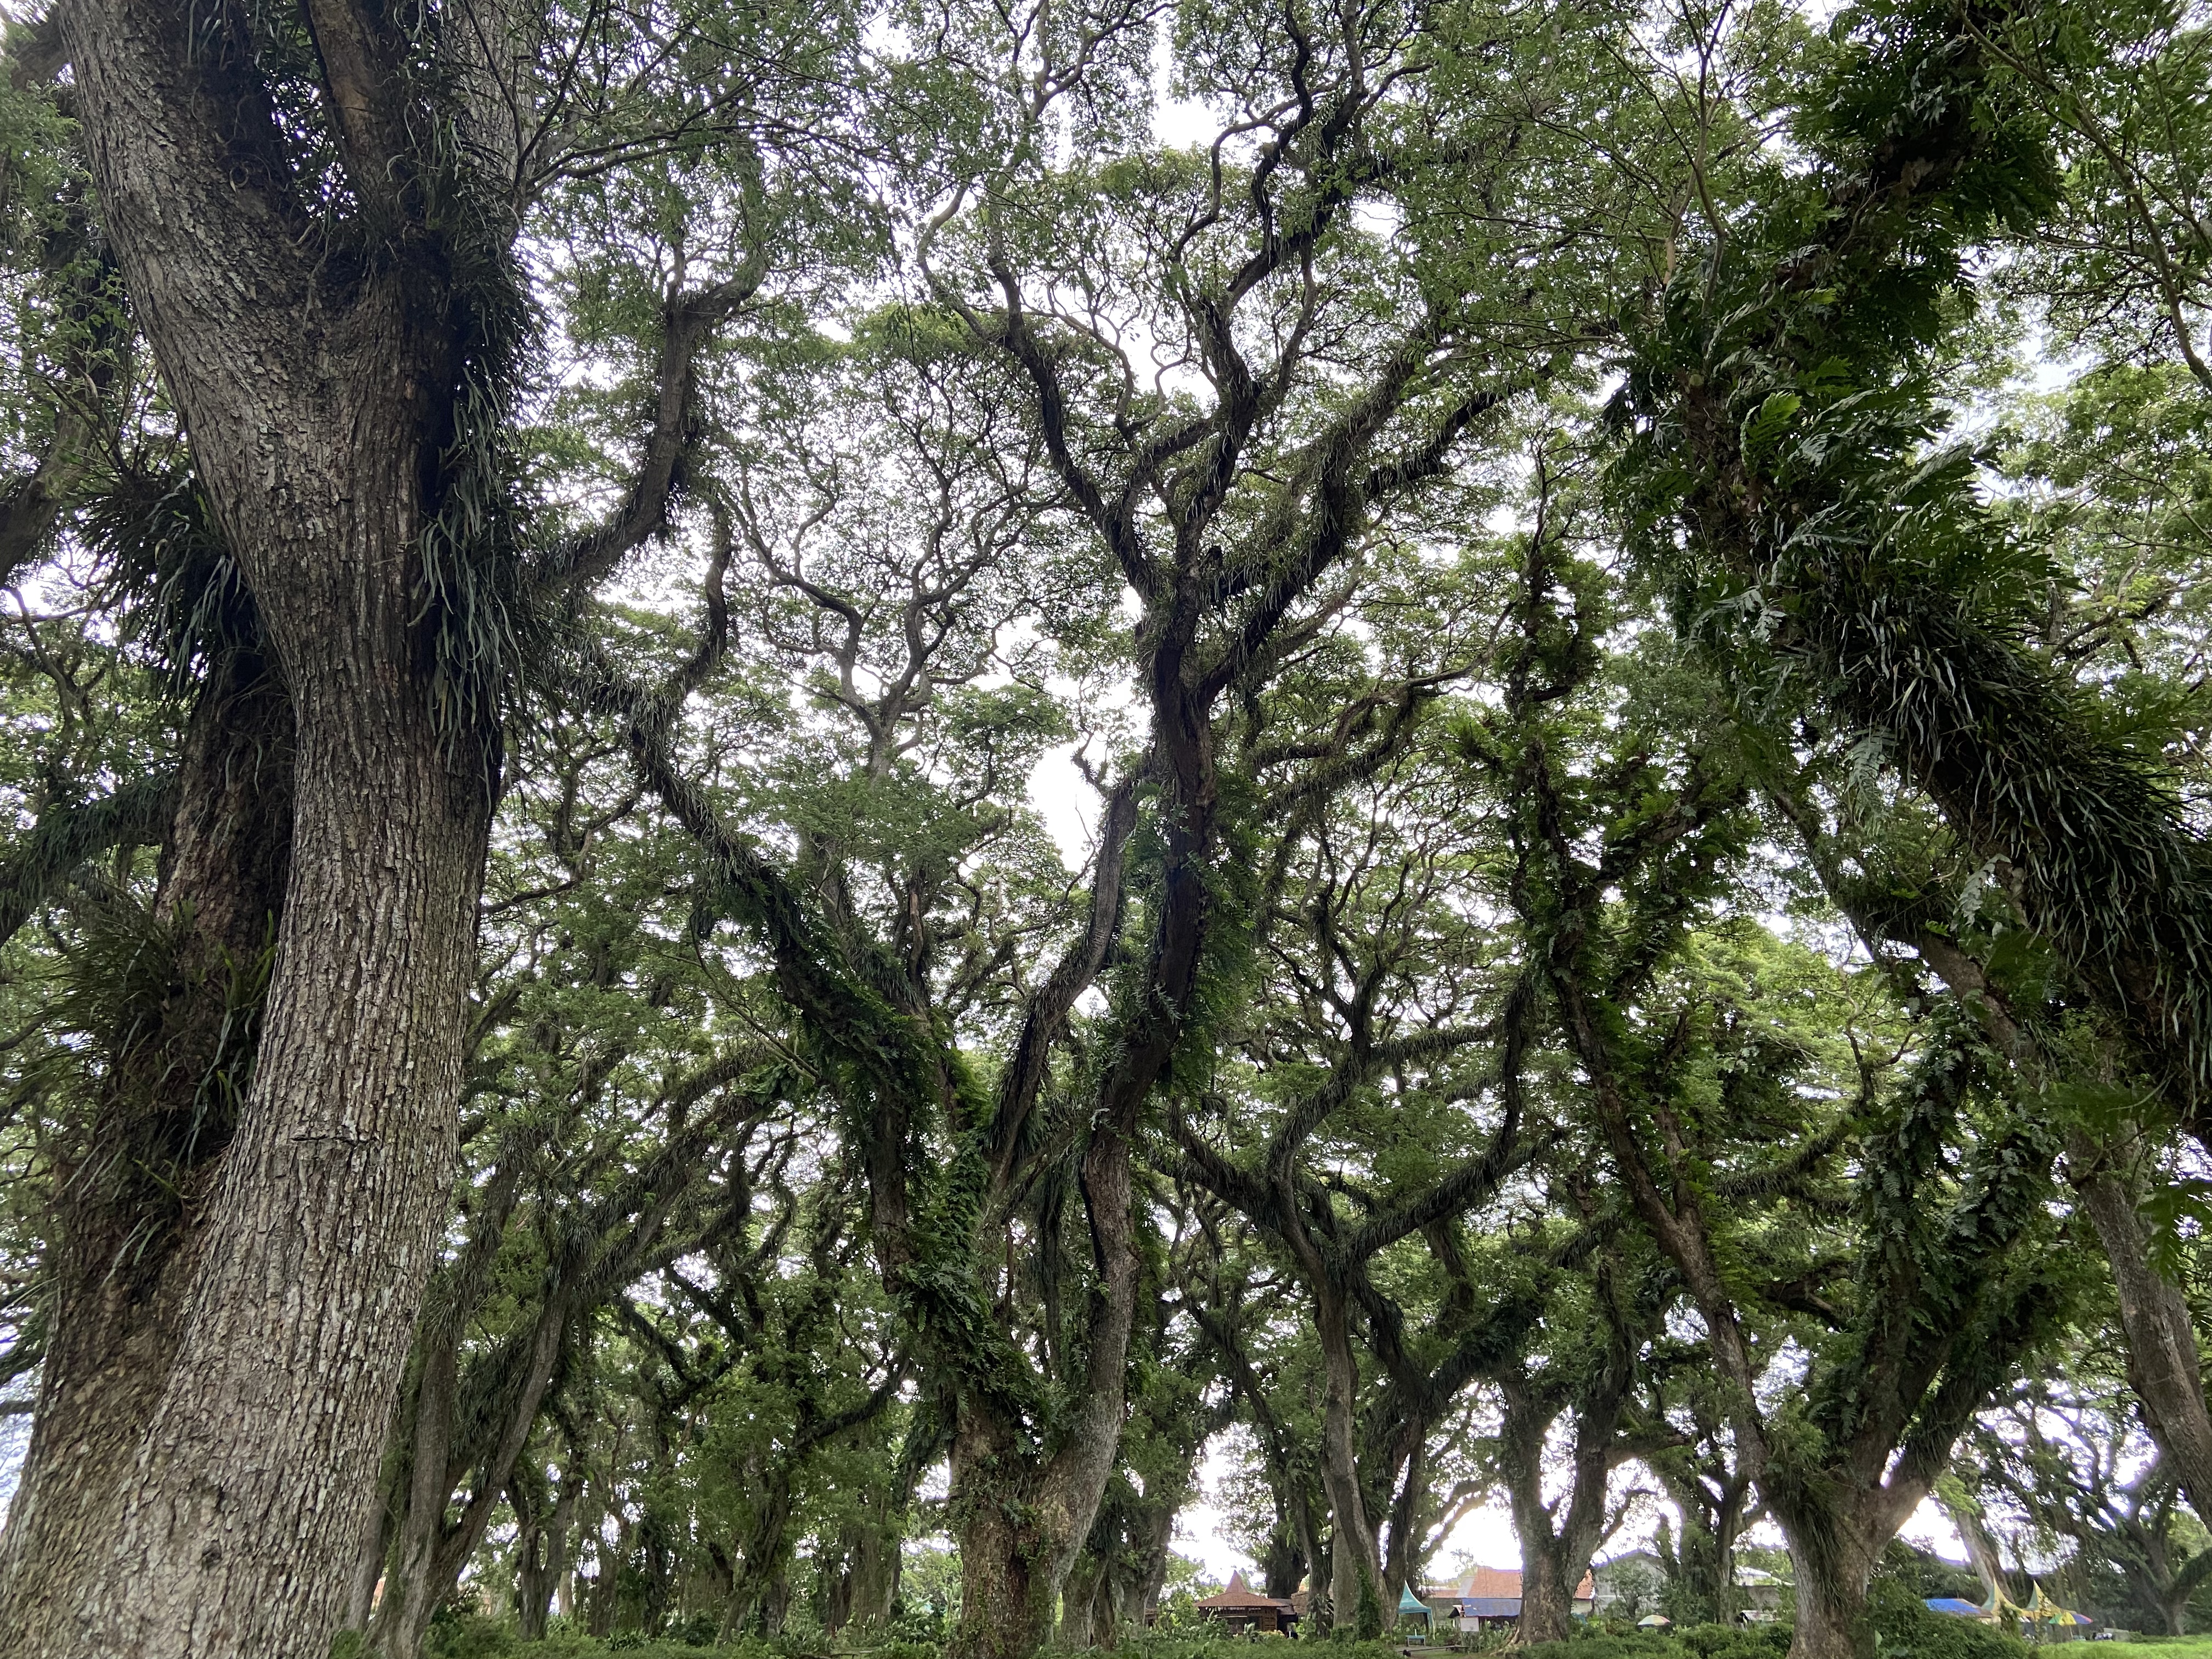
{"x":323,"y":364}
{"x":127,"y":1217}
{"x":1355,"y":1575}
{"x":310,"y":402}
{"x":1557,"y":1538}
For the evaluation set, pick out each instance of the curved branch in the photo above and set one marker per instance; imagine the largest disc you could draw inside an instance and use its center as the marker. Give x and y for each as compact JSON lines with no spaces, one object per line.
{"x":136,"y":814}
{"x":690,"y":321}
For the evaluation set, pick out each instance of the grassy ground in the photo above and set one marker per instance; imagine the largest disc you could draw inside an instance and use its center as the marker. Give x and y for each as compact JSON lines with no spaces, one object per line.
{"x":1903,"y":1628}
{"x":1908,"y":1634}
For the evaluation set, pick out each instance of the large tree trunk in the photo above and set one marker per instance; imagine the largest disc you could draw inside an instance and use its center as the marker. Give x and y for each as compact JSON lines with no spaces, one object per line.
{"x":1703,"y":1566}
{"x":1283,"y":1563}
{"x":1152,"y":1577}
{"x":2164,"y":1366}
{"x":763,"y":1556}
{"x":872,"y":1567}
{"x":1355,"y":1565}
{"x":1021,"y":1523}
{"x":1007,"y":1579}
{"x":2172,"y":1606}
{"x":1547,"y":1596}
{"x":1830,"y":1620}
{"x":237,"y":1523}
{"x":1559,"y":1538}
{"x":1546,"y":1613}
{"x":543,"y":1549}
{"x":1020,"y":1530}
{"x":250,"y":1495}
{"x":126,"y":1225}
{"x":1833,"y":1563}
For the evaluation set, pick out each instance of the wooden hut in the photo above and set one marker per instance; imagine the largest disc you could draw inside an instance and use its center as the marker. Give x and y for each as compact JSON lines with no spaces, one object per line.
{"x":1241,"y":1607}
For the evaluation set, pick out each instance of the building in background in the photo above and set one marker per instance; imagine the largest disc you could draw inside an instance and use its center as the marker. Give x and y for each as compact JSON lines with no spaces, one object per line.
{"x":1489,"y":1598}
{"x":1241,"y":1607}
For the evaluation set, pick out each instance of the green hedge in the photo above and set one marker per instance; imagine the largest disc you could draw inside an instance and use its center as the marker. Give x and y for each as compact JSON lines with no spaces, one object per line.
{"x":1604,"y":1640}
{"x":1904,"y":1629}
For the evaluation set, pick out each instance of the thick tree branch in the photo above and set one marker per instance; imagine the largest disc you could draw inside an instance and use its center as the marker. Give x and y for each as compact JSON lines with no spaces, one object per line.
{"x":138,"y":814}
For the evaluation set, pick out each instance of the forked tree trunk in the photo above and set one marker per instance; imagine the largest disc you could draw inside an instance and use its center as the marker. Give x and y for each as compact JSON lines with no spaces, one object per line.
{"x":1021,"y":1521}
{"x":1086,"y":1618}
{"x":244,"y":1501}
{"x":544,"y":1559}
{"x":1559,"y":1538}
{"x":1355,"y":1563}
{"x":1703,"y":1564}
{"x":1020,"y":1530}
{"x":1409,"y":1499}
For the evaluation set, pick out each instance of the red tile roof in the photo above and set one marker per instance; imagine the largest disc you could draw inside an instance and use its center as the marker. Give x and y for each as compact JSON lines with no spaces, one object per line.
{"x":1486,"y":1583}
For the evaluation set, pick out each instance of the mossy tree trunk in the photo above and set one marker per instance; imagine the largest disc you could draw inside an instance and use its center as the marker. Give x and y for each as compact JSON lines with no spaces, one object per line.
{"x":1559,"y":1536}
{"x":128,"y":1221}
{"x":329,"y":368}
{"x":1355,"y":1555}
{"x":1834,"y":1561}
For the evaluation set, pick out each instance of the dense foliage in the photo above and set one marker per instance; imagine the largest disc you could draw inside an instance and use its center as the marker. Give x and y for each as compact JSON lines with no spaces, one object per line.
{"x":1454,"y":750}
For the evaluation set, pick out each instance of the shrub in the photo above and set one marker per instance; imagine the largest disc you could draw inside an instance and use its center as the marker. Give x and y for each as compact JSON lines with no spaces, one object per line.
{"x":458,"y":1633}
{"x":1156,"y":1644}
{"x":1607,"y":1641}
{"x":1716,"y":1641}
{"x":1906,"y":1628}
